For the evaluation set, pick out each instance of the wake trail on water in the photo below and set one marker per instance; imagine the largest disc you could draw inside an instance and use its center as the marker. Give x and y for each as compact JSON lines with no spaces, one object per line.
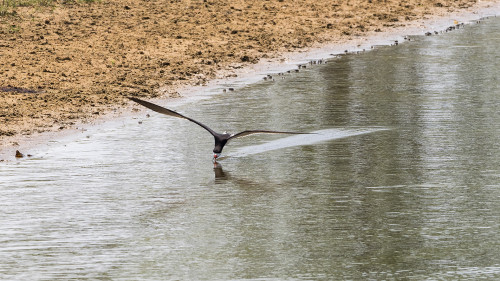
{"x":305,"y":139}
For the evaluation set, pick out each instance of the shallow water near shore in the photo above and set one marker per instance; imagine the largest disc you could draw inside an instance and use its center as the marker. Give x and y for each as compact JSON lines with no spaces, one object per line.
{"x":400,"y":181}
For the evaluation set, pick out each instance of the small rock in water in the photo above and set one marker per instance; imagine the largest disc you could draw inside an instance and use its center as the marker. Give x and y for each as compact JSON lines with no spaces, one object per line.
{"x":19,"y":154}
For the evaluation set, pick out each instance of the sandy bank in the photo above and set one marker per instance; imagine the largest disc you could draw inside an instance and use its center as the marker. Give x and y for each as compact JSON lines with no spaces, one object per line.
{"x":67,"y":66}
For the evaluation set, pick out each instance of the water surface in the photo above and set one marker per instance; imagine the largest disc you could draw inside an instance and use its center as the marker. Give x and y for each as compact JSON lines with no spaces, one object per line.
{"x":401,"y":181}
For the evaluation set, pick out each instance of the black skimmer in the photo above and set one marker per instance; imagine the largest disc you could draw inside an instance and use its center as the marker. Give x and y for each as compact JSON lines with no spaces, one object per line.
{"x":220,"y":138}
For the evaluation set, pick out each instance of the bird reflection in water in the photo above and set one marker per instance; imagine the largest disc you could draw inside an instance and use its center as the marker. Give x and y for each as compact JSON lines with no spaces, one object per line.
{"x":223,"y":177}
{"x":220,"y":175}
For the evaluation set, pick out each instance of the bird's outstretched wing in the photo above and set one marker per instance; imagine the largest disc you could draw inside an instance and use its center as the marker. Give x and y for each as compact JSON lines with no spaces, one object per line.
{"x":167,"y":111}
{"x":249,"y":132}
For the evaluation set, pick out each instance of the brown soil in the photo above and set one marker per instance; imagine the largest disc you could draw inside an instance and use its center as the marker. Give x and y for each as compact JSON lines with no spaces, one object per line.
{"x":72,"y":62}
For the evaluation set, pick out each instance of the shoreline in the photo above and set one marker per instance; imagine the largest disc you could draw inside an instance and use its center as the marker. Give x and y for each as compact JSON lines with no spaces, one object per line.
{"x":323,"y":51}
{"x":252,"y":73}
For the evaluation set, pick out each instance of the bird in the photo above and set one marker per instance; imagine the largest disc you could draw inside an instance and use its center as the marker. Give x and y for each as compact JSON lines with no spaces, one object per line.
{"x":221,"y":139}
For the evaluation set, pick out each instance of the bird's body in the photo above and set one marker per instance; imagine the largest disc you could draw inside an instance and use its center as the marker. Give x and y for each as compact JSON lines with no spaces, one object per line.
{"x":220,"y":142}
{"x":221,"y":139}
